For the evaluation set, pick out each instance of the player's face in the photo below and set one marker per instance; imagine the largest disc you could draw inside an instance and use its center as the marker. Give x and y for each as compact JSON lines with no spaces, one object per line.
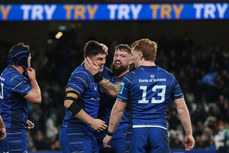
{"x":136,"y":58}
{"x":121,"y":59}
{"x":100,"y":59}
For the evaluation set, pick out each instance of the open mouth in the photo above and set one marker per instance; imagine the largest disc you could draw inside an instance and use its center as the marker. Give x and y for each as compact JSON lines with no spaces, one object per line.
{"x":118,"y":63}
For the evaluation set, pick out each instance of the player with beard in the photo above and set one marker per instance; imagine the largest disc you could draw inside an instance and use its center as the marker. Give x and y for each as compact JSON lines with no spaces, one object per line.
{"x":109,"y":85}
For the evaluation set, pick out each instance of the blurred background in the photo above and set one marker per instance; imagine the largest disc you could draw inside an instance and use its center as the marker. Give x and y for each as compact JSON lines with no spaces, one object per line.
{"x":192,"y":36}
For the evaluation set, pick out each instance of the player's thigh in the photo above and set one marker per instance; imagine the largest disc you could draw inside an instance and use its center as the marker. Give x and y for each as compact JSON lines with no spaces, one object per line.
{"x":159,"y":141}
{"x":119,"y":141}
{"x":64,"y":141}
{"x":138,"y":140}
{"x":73,"y":140}
{"x":16,"y":141}
{"x":4,"y":146}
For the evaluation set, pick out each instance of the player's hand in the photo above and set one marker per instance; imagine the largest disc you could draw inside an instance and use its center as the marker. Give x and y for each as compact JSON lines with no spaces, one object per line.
{"x":31,"y":73}
{"x":30,"y":124}
{"x":189,"y":142}
{"x":105,"y":48}
{"x":106,"y":141}
{"x":93,"y":68}
{"x":98,"y":125}
{"x":2,"y":134}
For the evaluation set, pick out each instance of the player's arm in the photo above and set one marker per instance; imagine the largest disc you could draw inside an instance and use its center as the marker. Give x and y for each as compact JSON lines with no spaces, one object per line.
{"x":186,"y":123}
{"x":116,"y":115}
{"x":71,"y":103}
{"x":108,"y":87}
{"x":2,"y":129}
{"x":35,"y":95}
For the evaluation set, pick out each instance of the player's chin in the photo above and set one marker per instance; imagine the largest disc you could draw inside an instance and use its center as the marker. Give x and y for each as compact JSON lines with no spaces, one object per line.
{"x":100,"y":69}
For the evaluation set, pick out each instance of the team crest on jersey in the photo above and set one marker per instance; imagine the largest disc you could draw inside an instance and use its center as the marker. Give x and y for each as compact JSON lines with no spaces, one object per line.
{"x":95,"y":88}
{"x":152,"y":76}
{"x":121,"y":88}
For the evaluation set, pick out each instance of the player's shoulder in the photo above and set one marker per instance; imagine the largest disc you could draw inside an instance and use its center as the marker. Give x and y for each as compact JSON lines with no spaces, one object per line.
{"x":12,"y":75}
{"x":81,"y":72}
{"x":130,"y":75}
{"x":164,"y":72}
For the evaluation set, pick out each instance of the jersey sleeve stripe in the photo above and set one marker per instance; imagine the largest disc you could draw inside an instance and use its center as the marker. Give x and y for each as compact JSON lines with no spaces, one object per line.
{"x":128,"y":80}
{"x":122,"y":97}
{"x":84,"y":73}
{"x":25,"y":89}
{"x":177,"y":86}
{"x":82,"y":80}
{"x":76,"y":87}
{"x":14,"y":77}
{"x":74,"y":90}
{"x":17,"y":85}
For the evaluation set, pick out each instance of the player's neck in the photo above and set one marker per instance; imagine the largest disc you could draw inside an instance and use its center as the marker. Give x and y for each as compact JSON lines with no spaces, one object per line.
{"x":147,"y":63}
{"x":18,"y":68}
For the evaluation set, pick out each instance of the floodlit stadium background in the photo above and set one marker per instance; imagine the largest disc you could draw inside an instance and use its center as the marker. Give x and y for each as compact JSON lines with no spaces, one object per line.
{"x":193,"y":46}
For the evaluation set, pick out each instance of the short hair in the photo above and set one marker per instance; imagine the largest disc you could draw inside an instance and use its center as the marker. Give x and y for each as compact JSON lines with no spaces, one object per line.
{"x":147,"y":47}
{"x":125,"y":47}
{"x":93,"y":48}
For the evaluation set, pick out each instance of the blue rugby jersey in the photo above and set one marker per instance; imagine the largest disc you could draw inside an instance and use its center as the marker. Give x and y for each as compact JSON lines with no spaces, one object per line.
{"x":149,"y":89}
{"x":83,"y":83}
{"x":107,"y":102}
{"x":13,"y":87}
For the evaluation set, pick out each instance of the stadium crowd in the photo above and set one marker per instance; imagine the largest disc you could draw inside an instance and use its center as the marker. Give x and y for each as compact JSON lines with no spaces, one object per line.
{"x":202,"y":71}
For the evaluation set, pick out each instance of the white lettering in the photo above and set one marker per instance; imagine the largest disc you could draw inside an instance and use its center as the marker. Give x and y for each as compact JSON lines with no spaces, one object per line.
{"x":49,"y":11}
{"x":37,"y":11}
{"x":221,"y":9}
{"x":123,"y":12}
{"x":135,"y":10}
{"x":198,"y":8}
{"x":112,"y":9}
{"x":209,"y":11}
{"x":26,"y":9}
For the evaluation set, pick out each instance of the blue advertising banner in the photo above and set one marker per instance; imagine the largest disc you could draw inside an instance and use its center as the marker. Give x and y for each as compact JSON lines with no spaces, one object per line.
{"x":110,"y":12}
{"x":173,"y":151}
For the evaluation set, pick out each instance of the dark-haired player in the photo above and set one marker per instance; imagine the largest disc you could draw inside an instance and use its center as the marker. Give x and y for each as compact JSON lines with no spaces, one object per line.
{"x":15,"y":91}
{"x":120,"y":66}
{"x":82,"y":105}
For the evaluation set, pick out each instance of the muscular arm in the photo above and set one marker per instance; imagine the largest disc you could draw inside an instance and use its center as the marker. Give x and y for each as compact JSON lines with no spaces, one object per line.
{"x":186,"y":122}
{"x":2,"y":129}
{"x":35,"y":95}
{"x":116,"y":115}
{"x":110,"y":88}
{"x":96,"y":124}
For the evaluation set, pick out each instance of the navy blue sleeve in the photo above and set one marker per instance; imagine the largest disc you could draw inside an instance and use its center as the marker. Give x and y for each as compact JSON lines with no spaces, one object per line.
{"x":177,"y":92}
{"x":79,"y":81}
{"x":20,"y":84}
{"x":123,"y":94}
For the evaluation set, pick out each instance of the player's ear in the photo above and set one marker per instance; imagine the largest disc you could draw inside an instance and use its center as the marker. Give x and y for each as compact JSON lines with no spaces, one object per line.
{"x":131,"y":60}
{"x":140,"y":55}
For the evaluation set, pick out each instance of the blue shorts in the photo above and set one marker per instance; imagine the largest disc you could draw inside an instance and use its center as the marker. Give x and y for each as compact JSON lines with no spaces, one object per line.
{"x":118,"y":142}
{"x":16,"y":141}
{"x":149,"y":140}
{"x":77,"y":140}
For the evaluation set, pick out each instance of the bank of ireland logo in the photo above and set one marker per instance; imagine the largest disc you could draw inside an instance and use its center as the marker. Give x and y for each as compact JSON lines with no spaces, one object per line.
{"x":152,"y":76}
{"x":121,"y":88}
